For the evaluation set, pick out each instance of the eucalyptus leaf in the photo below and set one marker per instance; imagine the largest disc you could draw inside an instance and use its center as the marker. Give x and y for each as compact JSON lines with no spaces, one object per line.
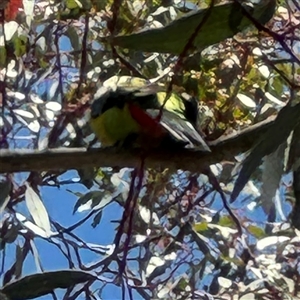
{"x":221,"y":22}
{"x":286,"y":121}
{"x":272,"y":170}
{"x":37,"y":209}
{"x":33,"y":286}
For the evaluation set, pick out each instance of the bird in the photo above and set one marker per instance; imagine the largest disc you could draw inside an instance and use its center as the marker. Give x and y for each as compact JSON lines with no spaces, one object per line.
{"x":133,"y":112}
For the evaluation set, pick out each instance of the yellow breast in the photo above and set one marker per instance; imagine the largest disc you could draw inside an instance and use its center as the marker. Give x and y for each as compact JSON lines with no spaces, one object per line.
{"x":114,"y":125}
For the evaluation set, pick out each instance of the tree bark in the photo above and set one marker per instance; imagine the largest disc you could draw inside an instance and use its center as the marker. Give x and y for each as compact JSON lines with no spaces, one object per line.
{"x":224,"y":148}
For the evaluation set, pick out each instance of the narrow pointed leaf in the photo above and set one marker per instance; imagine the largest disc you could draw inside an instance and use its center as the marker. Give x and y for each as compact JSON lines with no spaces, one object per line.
{"x":286,"y":121}
{"x":37,"y":285}
{"x":223,"y":21}
{"x":37,"y":209}
{"x":273,"y":168}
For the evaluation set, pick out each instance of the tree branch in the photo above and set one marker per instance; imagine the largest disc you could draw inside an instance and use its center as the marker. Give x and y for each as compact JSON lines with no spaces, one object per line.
{"x":224,"y":148}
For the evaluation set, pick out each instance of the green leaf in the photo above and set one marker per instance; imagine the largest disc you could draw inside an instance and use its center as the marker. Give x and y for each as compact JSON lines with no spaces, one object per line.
{"x":37,"y":285}
{"x":74,"y":38}
{"x":37,"y":209}
{"x":200,"y":227}
{"x":278,"y":133}
{"x":3,"y":57}
{"x":223,"y":21}
{"x":256,"y":231}
{"x":92,"y":200}
{"x":20,"y":45}
{"x":226,"y":221}
{"x":97,"y":219}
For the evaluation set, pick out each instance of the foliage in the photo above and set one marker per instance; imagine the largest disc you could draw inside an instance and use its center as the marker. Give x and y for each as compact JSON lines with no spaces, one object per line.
{"x":172,"y":234}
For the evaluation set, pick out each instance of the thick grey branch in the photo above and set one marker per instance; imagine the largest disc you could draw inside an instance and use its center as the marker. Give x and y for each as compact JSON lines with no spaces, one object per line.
{"x":225,"y":148}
